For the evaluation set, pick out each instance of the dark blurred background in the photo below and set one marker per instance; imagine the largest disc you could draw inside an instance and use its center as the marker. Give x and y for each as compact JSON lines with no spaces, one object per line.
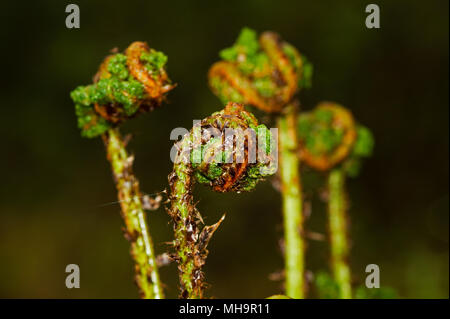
{"x":55,"y":184}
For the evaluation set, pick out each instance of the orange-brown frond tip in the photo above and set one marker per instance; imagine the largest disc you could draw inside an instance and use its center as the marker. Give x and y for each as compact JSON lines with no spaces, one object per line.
{"x":124,"y":86}
{"x":329,"y":136}
{"x":233,"y":152}
{"x":265,"y":73}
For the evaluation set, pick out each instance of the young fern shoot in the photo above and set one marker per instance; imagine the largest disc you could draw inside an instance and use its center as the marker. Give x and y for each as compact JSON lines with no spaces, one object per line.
{"x":222,"y":153}
{"x":126,"y":85}
{"x":266,"y":74}
{"x":330,"y":141}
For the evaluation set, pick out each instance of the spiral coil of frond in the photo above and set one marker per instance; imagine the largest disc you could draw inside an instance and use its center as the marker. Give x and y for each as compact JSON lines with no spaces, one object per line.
{"x":203,"y":156}
{"x":125,"y":85}
{"x":265,"y":74}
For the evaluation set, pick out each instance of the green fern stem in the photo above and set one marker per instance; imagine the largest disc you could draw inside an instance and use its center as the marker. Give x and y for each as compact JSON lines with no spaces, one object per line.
{"x":185,"y":227}
{"x":292,"y":204}
{"x":208,"y":161}
{"x":337,"y":219}
{"x":136,"y":230}
{"x":191,"y":240}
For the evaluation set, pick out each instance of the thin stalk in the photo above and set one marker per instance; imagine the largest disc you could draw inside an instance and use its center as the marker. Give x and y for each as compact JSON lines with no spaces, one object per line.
{"x":185,"y":228}
{"x":337,"y":223}
{"x":292,"y":204}
{"x":136,"y":230}
{"x":190,"y":241}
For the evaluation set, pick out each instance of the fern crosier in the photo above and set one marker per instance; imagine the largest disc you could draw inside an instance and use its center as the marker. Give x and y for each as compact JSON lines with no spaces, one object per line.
{"x":331,"y":142}
{"x":329,"y":137}
{"x":264,"y":73}
{"x":124,"y":86}
{"x":209,"y":156}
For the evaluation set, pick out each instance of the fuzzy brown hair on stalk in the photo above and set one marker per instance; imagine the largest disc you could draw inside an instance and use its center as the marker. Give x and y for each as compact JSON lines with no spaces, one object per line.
{"x":203,"y":157}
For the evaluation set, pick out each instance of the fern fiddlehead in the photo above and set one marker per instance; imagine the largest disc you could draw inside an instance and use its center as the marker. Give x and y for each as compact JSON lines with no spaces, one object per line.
{"x":209,"y":155}
{"x":331,"y":141}
{"x":266,"y":74}
{"x":126,"y":85}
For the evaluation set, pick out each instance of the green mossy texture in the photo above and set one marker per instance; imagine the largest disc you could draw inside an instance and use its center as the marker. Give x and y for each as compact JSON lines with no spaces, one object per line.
{"x":255,"y":64}
{"x":117,"y":88}
{"x":201,"y":158}
{"x":362,"y":148}
{"x":214,"y":170}
{"x":226,"y":92}
{"x":320,"y":137}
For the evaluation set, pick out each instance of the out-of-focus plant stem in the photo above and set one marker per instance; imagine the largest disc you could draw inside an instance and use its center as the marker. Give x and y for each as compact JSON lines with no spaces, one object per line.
{"x":337,"y":220}
{"x":292,"y":203}
{"x":136,"y":230}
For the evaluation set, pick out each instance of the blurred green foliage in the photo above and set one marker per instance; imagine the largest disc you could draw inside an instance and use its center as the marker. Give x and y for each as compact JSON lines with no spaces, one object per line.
{"x":327,"y":288}
{"x":363,"y":147}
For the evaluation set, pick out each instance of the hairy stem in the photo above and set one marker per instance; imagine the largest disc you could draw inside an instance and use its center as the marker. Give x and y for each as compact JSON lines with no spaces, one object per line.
{"x":136,"y":230}
{"x":337,"y":223}
{"x":185,"y":228}
{"x":292,"y":204}
{"x":190,"y":241}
